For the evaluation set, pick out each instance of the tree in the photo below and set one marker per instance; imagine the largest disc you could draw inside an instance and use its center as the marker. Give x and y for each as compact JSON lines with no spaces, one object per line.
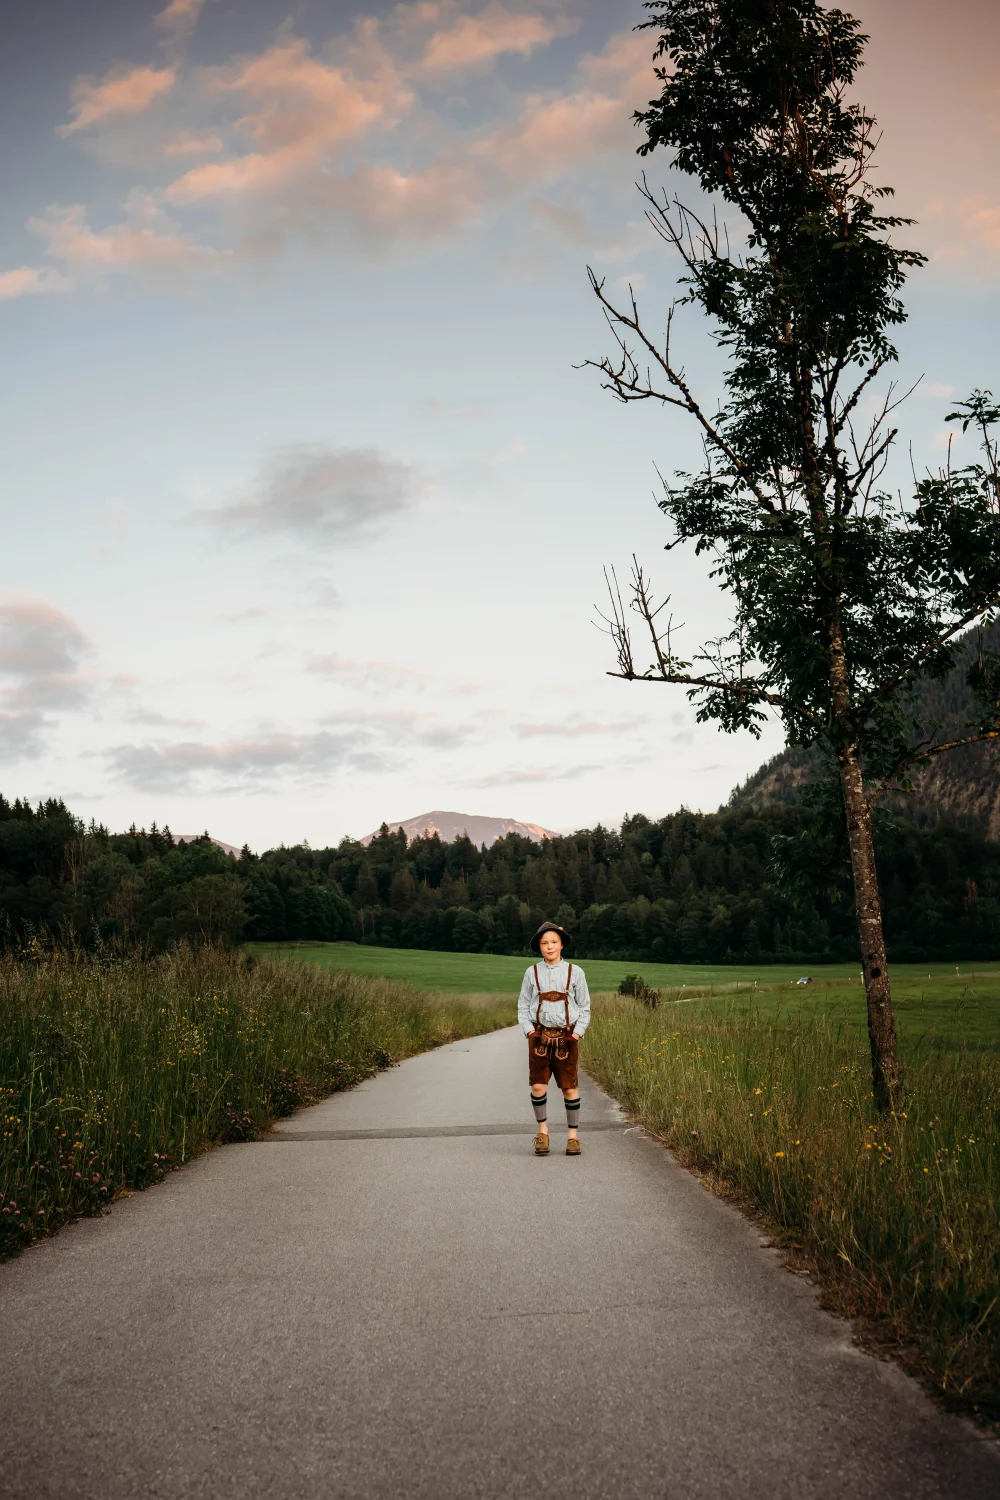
{"x":842,"y":597}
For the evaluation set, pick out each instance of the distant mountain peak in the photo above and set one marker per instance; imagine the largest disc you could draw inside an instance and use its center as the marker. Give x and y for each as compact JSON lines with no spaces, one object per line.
{"x":190,"y":838}
{"x":450,"y":826}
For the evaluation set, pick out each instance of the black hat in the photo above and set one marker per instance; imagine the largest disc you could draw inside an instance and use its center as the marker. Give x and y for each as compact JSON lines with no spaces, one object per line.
{"x":550,"y":927}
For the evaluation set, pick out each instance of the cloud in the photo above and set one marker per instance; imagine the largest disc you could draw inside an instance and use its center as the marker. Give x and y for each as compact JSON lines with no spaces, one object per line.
{"x":285,"y":141}
{"x":322,"y":496}
{"x":192,"y":143}
{"x":146,"y":241}
{"x":984,"y":227}
{"x":315,"y":130}
{"x":377,"y":742}
{"x":373,"y":675}
{"x":477,"y":40}
{"x":300,"y":114}
{"x":529,"y":775}
{"x":40,"y":653}
{"x":124,"y":92}
{"x":190,"y":765}
{"x":180,"y":17}
{"x":557,"y":135}
{"x":574,"y":726}
{"x":31,"y":281}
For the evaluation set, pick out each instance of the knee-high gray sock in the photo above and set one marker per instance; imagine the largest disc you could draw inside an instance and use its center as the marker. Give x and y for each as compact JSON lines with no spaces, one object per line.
{"x":572,"y":1113}
{"x":540,"y":1107}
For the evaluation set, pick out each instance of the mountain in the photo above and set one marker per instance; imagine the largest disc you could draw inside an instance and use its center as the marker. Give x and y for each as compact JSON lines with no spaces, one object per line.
{"x":961,"y":788}
{"x":189,"y":838}
{"x":450,"y":826}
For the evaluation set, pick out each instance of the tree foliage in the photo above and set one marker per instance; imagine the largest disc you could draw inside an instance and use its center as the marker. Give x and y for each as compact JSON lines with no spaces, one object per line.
{"x":689,"y":888}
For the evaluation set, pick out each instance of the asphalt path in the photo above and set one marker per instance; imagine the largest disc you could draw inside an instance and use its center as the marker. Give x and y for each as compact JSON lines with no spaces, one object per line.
{"x":393,"y":1297}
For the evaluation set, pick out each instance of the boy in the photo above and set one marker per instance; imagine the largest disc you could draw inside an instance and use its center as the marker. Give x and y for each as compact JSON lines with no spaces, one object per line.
{"x":553,"y":1009}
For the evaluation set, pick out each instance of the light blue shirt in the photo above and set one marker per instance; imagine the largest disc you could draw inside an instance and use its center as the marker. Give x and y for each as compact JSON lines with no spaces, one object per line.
{"x":553,"y":977}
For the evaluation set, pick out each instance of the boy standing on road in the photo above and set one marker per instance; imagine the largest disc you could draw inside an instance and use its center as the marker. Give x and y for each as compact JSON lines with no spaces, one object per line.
{"x":553,"y":1009}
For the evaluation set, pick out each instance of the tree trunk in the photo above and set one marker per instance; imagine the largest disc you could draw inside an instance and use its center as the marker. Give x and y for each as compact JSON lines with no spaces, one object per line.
{"x":886,"y":1070}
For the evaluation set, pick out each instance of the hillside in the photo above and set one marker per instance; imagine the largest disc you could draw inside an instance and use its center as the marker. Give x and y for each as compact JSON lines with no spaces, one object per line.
{"x":450,"y":826}
{"x":961,"y":788}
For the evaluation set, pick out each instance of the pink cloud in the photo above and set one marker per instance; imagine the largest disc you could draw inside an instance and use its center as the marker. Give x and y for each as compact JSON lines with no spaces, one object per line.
{"x":984,"y":227}
{"x":475,"y":40}
{"x":31,"y":281}
{"x":180,"y":16}
{"x":301,"y":113}
{"x":125,"y":91}
{"x":40,"y":654}
{"x":314,"y":142}
{"x":145,"y":241}
{"x":556,"y":135}
{"x":192,"y":143}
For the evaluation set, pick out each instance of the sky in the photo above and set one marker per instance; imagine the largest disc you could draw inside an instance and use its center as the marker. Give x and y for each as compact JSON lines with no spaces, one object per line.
{"x":306,"y":499}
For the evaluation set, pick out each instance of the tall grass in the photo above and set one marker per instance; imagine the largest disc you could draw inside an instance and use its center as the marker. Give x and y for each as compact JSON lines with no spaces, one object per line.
{"x":112,"y":1073}
{"x":899,"y":1217}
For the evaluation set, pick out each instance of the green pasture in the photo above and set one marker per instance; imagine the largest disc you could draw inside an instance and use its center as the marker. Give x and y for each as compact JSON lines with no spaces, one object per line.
{"x":935,"y":1005}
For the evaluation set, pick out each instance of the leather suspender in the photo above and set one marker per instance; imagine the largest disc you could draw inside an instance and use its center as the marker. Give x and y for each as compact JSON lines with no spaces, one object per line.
{"x":563,"y":994}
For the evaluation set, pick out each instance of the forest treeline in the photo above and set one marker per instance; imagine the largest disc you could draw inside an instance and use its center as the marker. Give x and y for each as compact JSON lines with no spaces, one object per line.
{"x":690,"y":887}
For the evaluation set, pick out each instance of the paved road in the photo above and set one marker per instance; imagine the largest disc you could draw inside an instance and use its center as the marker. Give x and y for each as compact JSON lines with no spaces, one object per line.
{"x":383,"y":1304}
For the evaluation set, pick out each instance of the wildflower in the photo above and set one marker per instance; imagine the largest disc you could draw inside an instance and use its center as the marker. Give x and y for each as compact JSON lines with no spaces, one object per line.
{"x":779,"y":1153}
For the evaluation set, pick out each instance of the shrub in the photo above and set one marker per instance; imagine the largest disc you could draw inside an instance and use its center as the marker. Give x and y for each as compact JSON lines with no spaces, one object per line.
{"x":636,"y":986}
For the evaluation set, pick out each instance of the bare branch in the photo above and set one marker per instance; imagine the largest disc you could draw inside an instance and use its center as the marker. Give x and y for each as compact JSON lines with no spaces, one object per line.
{"x":744,"y":689}
{"x":627,"y":383}
{"x":970,"y":739}
{"x":668,"y":667}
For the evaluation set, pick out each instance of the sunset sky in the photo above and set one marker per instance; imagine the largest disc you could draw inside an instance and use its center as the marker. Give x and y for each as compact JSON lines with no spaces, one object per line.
{"x":306,"y":506}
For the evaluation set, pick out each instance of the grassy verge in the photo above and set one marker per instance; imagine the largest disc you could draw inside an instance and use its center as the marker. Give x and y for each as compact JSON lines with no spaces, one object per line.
{"x":898,"y":1218}
{"x":111,"y":1074}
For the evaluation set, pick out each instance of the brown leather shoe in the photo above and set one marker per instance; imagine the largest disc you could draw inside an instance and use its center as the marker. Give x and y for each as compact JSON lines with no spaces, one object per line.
{"x":572,"y":1146}
{"x":541,"y":1144}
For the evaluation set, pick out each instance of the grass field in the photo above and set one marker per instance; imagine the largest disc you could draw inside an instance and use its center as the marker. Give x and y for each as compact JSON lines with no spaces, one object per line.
{"x":482,"y":973}
{"x":935,"y":1006}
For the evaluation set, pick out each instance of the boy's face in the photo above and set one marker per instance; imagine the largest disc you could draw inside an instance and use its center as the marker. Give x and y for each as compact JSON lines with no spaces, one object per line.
{"x":551,"y":945}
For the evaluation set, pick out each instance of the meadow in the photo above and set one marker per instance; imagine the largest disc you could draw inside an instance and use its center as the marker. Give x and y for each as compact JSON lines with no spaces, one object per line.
{"x":112,"y":1073}
{"x":484,"y":973}
{"x":935,"y":1005}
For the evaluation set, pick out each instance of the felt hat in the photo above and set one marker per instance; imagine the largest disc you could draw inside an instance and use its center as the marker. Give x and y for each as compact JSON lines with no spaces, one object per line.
{"x":550,"y":927}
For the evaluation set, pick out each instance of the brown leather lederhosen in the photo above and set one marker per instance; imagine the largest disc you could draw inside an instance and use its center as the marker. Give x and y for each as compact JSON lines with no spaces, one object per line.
{"x":551,"y":1041}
